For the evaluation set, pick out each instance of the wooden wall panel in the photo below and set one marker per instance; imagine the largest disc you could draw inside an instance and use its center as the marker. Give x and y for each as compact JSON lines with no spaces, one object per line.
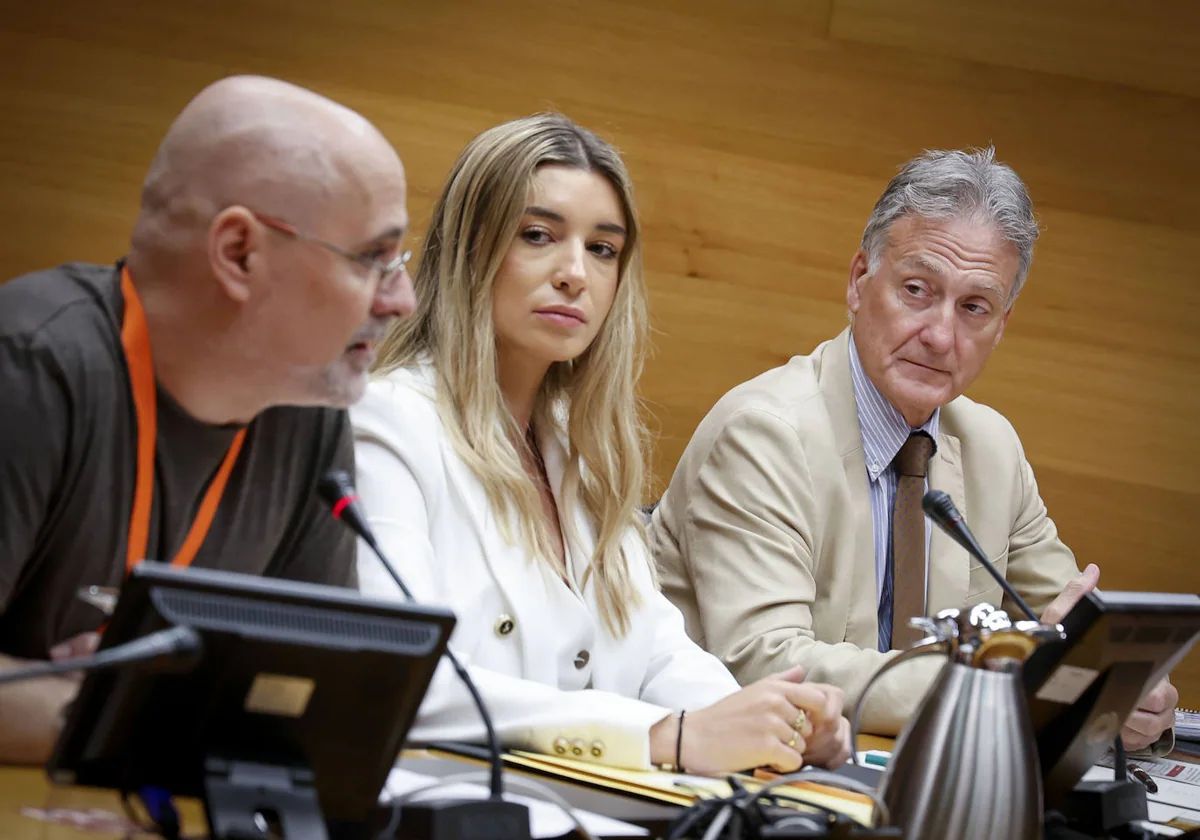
{"x":1147,"y":45}
{"x":759,"y":135}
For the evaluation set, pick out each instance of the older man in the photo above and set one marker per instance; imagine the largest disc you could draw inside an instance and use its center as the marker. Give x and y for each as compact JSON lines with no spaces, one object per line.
{"x":182,"y":404}
{"x":792,"y":533}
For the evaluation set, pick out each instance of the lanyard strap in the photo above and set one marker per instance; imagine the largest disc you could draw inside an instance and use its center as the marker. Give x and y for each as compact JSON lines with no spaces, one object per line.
{"x":135,"y":340}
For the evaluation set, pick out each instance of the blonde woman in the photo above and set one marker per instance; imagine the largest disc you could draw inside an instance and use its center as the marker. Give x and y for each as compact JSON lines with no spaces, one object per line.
{"x":500,"y":461}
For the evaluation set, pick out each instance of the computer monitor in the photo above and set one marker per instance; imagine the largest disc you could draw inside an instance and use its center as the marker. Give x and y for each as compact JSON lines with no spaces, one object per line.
{"x":302,"y":697}
{"x":1081,"y":690}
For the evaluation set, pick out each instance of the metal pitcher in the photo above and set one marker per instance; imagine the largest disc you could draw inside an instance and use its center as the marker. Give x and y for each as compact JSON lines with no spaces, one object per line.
{"x":966,"y":764}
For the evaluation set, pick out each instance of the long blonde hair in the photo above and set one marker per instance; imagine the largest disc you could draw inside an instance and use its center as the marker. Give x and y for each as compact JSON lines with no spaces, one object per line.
{"x":593,"y":396}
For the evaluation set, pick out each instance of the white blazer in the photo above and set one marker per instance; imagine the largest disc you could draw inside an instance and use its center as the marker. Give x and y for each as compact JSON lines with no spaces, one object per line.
{"x":433,"y":520}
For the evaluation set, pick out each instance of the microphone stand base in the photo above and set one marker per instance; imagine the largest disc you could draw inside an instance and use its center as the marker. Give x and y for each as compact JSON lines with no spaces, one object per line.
{"x":1099,"y":809}
{"x":449,"y":819}
{"x":249,"y":801}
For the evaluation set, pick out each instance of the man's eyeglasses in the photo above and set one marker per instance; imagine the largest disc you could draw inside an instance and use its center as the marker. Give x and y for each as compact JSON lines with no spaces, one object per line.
{"x":383,"y":271}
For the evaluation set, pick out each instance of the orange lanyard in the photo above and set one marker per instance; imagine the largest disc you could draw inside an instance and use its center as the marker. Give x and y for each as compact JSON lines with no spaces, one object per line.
{"x":135,"y":339}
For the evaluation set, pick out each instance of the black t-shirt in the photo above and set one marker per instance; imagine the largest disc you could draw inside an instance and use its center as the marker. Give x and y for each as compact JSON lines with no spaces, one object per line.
{"x":67,"y":460}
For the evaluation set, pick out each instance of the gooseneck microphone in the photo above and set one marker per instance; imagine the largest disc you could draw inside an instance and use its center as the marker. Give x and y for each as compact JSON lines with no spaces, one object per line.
{"x":338,"y":492}
{"x":177,"y":646}
{"x":940,"y":508}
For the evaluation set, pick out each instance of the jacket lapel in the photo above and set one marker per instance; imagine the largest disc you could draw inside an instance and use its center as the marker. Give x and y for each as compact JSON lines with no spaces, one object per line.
{"x":615,"y":663}
{"x":837,"y":387}
{"x":578,"y":539}
{"x":509,"y":567}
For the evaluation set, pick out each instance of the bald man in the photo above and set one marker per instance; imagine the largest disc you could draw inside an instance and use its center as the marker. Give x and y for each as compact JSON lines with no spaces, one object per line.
{"x":181,"y":405}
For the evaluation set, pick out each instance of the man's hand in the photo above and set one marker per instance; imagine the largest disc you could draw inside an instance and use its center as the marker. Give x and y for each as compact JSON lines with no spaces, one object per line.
{"x":1076,"y":588}
{"x":85,"y":644}
{"x":31,"y":712}
{"x":1155,"y":714}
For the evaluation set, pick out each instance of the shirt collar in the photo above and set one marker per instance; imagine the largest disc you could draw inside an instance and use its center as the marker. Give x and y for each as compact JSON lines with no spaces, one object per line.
{"x":882,"y":426}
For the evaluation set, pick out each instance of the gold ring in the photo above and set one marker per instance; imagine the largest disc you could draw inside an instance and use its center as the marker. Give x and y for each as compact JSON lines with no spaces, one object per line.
{"x":792,"y":743}
{"x":801,"y":719}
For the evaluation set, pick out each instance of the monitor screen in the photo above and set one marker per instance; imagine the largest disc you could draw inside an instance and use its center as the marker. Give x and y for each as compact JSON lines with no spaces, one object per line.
{"x":1080,"y":691}
{"x":315,"y":684}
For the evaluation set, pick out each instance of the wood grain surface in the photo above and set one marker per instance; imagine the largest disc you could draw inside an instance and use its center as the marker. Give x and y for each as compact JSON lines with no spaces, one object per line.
{"x":759,"y":134}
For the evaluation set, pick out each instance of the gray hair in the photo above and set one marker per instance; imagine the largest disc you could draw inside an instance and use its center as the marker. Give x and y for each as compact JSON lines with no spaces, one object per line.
{"x":952,"y":184}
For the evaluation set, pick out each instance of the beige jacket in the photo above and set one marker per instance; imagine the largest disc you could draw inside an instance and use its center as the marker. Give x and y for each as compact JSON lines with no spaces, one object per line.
{"x":764,"y":537}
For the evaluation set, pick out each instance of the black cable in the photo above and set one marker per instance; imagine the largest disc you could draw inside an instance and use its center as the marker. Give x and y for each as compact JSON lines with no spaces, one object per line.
{"x":336,"y":488}
{"x":1120,"y":761}
{"x":746,"y":814}
{"x":496,"y":782}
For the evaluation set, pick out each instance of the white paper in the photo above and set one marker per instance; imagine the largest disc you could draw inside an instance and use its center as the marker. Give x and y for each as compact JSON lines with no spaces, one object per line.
{"x":1164,"y":814}
{"x":1164,"y":769}
{"x":1175,"y":794}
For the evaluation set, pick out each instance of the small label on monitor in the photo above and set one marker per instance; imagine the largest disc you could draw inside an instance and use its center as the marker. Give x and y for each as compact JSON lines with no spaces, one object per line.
{"x":276,"y":694}
{"x":1066,"y":684}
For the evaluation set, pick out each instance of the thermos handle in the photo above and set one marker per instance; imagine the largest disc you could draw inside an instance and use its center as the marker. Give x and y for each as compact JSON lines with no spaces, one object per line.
{"x":923,"y":648}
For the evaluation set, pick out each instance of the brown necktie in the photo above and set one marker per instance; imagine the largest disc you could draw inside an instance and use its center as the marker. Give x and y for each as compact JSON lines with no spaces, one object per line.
{"x":908,"y":538}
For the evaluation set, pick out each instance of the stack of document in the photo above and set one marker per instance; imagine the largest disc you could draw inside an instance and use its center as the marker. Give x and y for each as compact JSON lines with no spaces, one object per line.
{"x":682,"y":789}
{"x":1187,"y":731}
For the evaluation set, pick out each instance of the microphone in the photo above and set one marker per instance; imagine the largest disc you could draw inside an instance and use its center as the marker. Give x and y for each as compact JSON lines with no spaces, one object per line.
{"x":336,"y":488}
{"x":940,"y":508}
{"x":177,"y":646}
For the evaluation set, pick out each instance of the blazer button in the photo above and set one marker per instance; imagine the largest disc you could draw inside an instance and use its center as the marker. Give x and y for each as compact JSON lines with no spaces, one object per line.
{"x":560,"y":745}
{"x":505,"y":624}
{"x":581,"y":660}
{"x":597,"y":749}
{"x":577,"y":746}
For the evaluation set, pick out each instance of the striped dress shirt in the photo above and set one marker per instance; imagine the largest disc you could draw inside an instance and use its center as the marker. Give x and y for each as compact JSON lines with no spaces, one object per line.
{"x":884,"y":430}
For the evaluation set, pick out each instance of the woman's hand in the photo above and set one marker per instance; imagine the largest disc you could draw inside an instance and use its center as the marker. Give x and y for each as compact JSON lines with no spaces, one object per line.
{"x":769,"y":723}
{"x":829,"y":745}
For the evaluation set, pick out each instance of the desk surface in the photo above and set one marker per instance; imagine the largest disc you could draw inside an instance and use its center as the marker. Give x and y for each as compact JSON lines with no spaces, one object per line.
{"x":24,"y":791}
